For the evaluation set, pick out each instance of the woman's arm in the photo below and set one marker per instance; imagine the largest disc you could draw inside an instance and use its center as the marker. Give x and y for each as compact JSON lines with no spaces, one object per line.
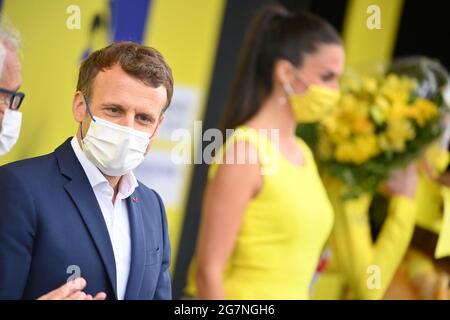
{"x":226,"y":196}
{"x":369,"y":267}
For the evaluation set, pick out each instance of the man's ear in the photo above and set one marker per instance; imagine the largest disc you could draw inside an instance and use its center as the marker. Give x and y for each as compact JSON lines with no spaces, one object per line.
{"x":78,"y":107}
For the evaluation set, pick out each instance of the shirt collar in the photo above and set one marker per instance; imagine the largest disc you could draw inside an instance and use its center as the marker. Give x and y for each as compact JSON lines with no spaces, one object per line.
{"x":127,"y":184}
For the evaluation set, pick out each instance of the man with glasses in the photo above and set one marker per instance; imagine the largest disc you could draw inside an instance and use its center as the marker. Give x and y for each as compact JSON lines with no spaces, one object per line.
{"x":10,"y":82}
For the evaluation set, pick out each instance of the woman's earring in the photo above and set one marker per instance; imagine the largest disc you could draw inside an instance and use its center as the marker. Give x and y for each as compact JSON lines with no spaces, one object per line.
{"x":288,"y":88}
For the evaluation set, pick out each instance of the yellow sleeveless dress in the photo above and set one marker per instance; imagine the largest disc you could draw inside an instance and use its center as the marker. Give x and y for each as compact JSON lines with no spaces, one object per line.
{"x":283,"y":231}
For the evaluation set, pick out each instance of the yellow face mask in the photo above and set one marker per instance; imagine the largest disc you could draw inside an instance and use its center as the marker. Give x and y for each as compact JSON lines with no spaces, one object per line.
{"x":314,"y":104}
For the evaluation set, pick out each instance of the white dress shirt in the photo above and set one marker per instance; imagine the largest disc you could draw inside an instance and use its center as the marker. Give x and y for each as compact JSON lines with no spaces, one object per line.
{"x":115,"y":215}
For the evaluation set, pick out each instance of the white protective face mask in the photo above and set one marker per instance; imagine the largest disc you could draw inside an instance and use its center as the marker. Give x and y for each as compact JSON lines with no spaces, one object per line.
{"x":10,"y":130}
{"x":113,"y":149}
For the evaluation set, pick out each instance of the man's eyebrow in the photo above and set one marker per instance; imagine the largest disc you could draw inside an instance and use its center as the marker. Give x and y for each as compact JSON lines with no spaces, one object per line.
{"x":149,"y":115}
{"x":111,"y":104}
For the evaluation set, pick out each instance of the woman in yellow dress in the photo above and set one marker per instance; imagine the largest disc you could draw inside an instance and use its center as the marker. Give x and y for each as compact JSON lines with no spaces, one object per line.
{"x":425,"y":271}
{"x":264,"y":222}
{"x":361,"y":267}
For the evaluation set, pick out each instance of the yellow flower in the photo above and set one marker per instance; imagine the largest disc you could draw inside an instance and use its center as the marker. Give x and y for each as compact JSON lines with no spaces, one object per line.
{"x":370,"y":85}
{"x":367,"y":146}
{"x":397,"y":89}
{"x":345,"y":152}
{"x":363,"y":126}
{"x":358,"y":149}
{"x":398,"y":133}
{"x":422,"y":111}
{"x":397,"y":110}
{"x":382,"y":103}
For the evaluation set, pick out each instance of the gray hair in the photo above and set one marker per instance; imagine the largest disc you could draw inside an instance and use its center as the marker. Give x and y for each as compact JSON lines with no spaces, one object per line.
{"x":9,"y":35}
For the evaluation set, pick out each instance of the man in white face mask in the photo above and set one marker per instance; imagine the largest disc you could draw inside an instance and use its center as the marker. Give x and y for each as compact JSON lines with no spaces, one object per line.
{"x":10,"y":82}
{"x":80,"y":211}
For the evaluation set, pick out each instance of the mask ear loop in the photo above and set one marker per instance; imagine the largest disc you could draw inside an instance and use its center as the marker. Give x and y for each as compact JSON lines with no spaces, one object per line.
{"x":90,"y":114}
{"x":87,"y":107}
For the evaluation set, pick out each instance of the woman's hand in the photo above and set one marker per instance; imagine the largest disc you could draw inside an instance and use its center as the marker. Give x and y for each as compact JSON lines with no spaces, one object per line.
{"x":403,"y":182}
{"x":433,"y":286}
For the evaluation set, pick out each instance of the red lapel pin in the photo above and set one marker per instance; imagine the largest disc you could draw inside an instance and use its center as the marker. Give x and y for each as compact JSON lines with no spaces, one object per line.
{"x":135,"y":199}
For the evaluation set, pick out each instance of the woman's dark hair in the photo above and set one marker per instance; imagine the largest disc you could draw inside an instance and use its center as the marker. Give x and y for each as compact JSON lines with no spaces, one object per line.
{"x":274,"y":34}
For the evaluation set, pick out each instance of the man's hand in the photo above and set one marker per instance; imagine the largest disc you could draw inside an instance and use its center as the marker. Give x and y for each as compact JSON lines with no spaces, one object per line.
{"x":72,"y":290}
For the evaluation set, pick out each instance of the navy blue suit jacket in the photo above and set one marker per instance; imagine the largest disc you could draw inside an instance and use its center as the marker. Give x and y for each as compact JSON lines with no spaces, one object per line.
{"x":51,"y":227}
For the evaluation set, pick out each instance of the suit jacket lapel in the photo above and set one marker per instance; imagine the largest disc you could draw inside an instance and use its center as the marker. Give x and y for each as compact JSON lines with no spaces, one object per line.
{"x":138,"y":248}
{"x":84,"y":198}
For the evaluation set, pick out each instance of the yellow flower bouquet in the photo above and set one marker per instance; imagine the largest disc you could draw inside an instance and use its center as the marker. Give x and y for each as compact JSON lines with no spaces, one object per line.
{"x":382,"y":122}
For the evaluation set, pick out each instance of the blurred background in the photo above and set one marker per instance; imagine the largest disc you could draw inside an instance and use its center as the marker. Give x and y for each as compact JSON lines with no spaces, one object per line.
{"x":200,"y":40}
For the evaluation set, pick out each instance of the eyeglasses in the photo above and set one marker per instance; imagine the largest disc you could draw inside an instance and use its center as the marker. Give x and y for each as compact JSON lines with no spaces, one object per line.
{"x":12,"y":99}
